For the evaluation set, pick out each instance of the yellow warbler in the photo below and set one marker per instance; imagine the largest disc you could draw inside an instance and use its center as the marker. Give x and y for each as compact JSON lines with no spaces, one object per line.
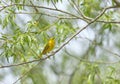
{"x":49,"y":46}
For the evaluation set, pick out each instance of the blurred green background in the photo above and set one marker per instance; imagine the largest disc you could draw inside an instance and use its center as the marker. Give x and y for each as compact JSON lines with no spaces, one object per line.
{"x":91,"y":57}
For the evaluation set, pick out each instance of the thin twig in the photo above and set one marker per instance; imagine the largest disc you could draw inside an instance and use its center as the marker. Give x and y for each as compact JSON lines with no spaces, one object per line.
{"x":34,"y":7}
{"x":53,"y":4}
{"x":51,"y":15}
{"x":80,"y":12}
{"x":72,"y":5}
{"x":86,"y":61}
{"x":111,"y":52}
{"x":65,"y":17}
{"x":65,"y":12}
{"x":42,"y":7}
{"x":6,"y":66}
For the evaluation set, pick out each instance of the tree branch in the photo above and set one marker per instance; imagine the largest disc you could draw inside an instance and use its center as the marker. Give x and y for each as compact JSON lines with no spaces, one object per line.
{"x":42,"y":7}
{"x":84,"y":18}
{"x":64,"y":17}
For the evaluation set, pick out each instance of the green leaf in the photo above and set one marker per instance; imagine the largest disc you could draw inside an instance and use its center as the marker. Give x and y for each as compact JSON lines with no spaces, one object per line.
{"x":5,"y":22}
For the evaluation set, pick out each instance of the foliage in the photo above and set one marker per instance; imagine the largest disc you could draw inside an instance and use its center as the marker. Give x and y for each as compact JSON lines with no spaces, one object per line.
{"x":86,"y":34}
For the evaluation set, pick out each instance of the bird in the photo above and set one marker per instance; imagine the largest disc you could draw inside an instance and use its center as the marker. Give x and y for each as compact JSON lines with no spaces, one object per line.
{"x":48,"y":47}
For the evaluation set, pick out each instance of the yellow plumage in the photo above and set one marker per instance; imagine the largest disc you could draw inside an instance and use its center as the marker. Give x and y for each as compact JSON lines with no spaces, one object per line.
{"x":48,"y":47}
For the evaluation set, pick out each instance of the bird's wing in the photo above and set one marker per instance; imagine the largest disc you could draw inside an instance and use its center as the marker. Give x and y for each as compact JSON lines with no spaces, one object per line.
{"x":45,"y":50}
